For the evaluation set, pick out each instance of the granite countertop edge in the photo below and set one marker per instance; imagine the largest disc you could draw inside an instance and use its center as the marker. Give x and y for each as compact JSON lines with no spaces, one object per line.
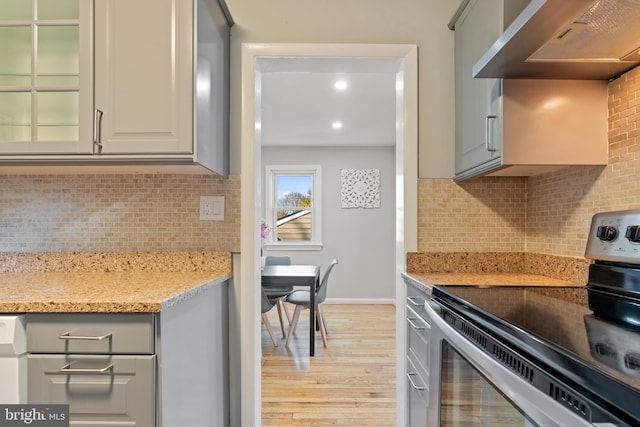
{"x":116,"y":282}
{"x":193,"y":292}
{"x":121,"y":292}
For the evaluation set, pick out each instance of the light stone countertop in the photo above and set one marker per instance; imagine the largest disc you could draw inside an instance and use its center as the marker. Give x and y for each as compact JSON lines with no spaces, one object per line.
{"x":485,"y":269}
{"x":107,"y":282}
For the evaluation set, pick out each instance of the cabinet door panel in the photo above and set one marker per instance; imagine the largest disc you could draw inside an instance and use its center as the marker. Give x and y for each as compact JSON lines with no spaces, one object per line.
{"x":123,"y":395}
{"x":143,"y":75}
{"x":477,"y":100}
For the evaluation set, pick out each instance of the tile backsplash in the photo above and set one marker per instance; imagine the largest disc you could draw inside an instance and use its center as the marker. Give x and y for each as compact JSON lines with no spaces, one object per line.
{"x":47,"y":213}
{"x":482,"y":215}
{"x":548,"y":213}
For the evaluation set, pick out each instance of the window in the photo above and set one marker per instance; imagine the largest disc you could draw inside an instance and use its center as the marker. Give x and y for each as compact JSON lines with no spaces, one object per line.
{"x":292,"y":206}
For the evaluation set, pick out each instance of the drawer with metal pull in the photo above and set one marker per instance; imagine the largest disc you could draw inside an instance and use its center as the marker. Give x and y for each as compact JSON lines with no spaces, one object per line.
{"x":416,"y":299}
{"x":98,"y":388}
{"x":91,"y":333}
{"x":418,"y":338}
{"x":417,"y":394}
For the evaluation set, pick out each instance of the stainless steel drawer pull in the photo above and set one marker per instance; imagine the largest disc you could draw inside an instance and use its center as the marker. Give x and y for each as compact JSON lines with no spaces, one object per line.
{"x":413,"y":325}
{"x":67,"y":336}
{"x":416,"y":301}
{"x":67,"y":369}
{"x":413,"y":384}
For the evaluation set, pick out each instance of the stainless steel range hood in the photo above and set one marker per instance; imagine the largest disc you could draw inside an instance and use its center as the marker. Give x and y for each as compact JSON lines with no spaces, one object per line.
{"x":567,"y":39}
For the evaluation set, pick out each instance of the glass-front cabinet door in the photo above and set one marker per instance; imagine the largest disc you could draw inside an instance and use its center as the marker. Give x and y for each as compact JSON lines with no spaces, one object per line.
{"x":46,"y":81}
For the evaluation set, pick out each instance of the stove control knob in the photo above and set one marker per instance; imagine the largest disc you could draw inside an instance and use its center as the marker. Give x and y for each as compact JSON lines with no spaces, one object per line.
{"x":606,"y":233}
{"x":633,"y":233}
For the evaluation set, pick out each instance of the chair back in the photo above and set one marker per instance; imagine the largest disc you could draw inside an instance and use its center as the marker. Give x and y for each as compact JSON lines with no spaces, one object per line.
{"x":266,"y":304}
{"x":277,"y":260}
{"x":321,"y":293}
{"x":277,"y":291}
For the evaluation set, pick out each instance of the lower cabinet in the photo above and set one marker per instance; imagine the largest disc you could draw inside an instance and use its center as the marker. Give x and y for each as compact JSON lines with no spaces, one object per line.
{"x":135,"y":369}
{"x":102,"y":365}
{"x":417,"y":354}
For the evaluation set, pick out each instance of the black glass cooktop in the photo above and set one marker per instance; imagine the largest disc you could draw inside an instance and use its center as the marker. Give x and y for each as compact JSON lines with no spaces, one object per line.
{"x":555,"y":327}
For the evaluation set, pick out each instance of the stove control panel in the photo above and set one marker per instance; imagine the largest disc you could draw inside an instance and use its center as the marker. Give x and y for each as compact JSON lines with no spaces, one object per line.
{"x":615,"y":236}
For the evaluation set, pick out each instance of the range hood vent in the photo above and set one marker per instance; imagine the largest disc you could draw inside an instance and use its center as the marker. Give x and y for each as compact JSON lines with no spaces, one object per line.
{"x":567,"y":39}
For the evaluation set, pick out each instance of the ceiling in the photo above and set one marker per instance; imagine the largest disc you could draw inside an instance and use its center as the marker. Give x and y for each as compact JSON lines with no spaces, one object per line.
{"x":299,"y":102}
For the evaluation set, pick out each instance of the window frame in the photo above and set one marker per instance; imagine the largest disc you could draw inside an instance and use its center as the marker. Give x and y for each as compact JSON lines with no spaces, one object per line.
{"x":271,"y":174}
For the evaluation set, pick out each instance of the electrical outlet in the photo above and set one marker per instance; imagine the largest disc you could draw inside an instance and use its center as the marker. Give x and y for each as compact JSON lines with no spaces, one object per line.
{"x":212,"y":208}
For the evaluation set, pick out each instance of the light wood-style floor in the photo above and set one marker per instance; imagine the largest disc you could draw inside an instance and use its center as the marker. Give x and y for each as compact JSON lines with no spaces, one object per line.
{"x":350,"y":383}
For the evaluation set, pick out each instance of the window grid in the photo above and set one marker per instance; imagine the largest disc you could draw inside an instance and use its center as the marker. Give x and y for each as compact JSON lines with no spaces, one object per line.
{"x":293,"y":206}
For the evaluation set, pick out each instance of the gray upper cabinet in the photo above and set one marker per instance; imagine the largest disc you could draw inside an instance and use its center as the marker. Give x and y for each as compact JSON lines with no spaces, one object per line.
{"x":212,"y":84}
{"x":478,"y":101}
{"x":141,"y":82}
{"x":519,"y":127}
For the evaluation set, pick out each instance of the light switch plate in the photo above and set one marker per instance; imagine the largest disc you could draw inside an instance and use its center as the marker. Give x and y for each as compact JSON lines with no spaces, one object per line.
{"x":212,"y":208}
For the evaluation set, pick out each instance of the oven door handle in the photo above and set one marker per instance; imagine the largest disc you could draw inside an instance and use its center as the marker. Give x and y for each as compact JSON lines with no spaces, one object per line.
{"x":547,"y":412}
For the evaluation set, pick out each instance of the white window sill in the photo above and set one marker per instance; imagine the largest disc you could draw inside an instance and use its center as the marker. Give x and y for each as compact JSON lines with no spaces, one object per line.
{"x":293,"y":246}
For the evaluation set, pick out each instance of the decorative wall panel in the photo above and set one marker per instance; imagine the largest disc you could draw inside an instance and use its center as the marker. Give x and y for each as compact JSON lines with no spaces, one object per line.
{"x":360,"y":188}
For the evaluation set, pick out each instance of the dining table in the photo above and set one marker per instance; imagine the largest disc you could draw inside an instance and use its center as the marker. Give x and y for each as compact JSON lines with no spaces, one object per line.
{"x":296,"y":275}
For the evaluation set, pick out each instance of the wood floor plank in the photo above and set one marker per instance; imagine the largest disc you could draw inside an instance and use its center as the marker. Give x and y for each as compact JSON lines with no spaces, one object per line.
{"x":349,"y":383}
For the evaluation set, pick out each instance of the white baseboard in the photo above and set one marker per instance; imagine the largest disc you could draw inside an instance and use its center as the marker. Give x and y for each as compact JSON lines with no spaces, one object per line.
{"x":390,"y":301}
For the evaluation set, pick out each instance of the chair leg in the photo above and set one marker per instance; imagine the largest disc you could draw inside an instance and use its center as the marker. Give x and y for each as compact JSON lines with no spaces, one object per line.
{"x":293,"y":324}
{"x":286,"y":311}
{"x":324,"y":318}
{"x":279,"y":307}
{"x":267,"y":324}
{"x":323,"y":331}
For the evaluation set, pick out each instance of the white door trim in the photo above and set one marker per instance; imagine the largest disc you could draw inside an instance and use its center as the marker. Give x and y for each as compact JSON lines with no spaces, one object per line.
{"x":406,"y":201}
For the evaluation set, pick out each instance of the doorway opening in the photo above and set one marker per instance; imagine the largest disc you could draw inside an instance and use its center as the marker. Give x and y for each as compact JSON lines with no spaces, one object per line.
{"x":256,"y":58}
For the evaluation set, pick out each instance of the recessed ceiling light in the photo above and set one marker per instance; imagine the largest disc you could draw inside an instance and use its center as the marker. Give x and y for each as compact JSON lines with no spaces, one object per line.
{"x":336,"y":125}
{"x":340,"y":85}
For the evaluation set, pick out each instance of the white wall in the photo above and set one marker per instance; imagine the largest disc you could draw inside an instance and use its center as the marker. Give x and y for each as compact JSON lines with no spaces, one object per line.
{"x":419,"y":22}
{"x":362,"y":240}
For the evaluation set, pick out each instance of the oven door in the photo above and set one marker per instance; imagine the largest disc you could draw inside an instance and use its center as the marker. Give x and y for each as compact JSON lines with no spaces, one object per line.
{"x":471,"y":388}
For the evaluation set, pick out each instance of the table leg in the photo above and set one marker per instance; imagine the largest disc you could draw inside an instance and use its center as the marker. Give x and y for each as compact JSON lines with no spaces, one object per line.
{"x":312,"y":319}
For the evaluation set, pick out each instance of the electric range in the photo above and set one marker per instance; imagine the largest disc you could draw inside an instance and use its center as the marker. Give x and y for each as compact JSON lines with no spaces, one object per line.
{"x":587,"y":337}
